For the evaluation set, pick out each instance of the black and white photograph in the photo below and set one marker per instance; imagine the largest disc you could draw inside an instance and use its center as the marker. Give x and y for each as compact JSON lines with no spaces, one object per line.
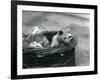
{"x":53,"y":39}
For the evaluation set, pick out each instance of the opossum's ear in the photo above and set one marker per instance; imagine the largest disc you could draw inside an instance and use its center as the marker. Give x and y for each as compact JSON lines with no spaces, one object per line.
{"x":60,"y":32}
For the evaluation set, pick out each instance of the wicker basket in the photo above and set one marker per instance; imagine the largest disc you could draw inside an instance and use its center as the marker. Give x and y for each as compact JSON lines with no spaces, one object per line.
{"x":50,"y":57}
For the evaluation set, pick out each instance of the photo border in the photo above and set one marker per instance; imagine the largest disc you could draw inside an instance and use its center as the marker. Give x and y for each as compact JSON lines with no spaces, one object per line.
{"x":14,"y":38}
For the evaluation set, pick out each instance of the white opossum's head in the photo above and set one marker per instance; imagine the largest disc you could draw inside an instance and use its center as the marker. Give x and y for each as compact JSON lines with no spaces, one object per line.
{"x":36,"y":30}
{"x":67,"y":37}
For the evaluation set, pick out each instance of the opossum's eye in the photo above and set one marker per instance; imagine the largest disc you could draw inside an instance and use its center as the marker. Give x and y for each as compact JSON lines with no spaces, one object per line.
{"x":65,"y":38}
{"x":70,"y":37}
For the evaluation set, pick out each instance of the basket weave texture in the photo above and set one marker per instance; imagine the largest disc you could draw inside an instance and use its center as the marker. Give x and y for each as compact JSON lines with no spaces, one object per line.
{"x":42,"y":57}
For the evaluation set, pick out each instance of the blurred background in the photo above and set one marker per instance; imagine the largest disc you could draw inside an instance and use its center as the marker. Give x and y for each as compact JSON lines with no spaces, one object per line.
{"x":78,"y":23}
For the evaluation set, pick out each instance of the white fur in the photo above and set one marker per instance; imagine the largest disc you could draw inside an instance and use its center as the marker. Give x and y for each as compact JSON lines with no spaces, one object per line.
{"x":55,"y":41}
{"x":35,"y":45}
